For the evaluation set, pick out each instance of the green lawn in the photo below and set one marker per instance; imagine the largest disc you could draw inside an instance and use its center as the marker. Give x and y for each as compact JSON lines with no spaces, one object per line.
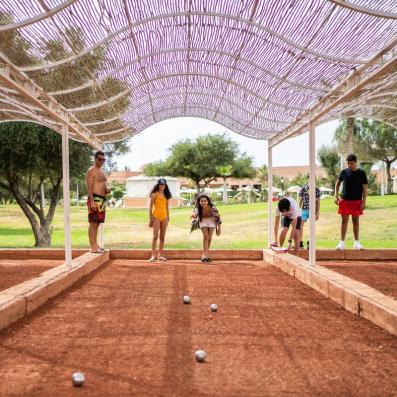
{"x":244,"y":226}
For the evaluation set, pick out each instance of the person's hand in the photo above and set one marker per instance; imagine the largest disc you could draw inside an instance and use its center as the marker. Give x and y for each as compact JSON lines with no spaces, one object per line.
{"x":218,"y":230}
{"x":151,"y":223}
{"x":336,"y":200}
{"x":317,"y":216}
{"x":94,"y":205}
{"x":363,"y":206}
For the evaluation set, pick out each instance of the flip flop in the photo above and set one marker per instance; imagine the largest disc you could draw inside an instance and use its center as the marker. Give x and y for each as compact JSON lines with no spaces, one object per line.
{"x":152,"y":259}
{"x":98,"y":251}
{"x":162,"y":258}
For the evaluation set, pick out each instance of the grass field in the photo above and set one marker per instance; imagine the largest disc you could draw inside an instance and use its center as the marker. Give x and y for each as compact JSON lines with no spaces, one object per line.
{"x":244,"y":226}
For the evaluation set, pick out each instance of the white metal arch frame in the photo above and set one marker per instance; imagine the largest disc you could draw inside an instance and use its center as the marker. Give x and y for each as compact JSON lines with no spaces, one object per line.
{"x":195,"y":13}
{"x":92,"y":83}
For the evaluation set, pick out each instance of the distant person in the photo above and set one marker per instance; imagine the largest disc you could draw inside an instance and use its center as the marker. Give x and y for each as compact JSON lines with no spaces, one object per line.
{"x":159,"y":216}
{"x":206,"y":217}
{"x":288,"y":210}
{"x":354,"y":197}
{"x":96,"y":203}
{"x":304,"y":202}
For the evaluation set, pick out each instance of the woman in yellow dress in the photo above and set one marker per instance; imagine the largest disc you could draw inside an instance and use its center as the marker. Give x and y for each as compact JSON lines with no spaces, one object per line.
{"x":159,"y":217}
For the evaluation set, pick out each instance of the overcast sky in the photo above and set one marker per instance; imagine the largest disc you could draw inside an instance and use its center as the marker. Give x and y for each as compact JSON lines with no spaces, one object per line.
{"x":152,"y":144}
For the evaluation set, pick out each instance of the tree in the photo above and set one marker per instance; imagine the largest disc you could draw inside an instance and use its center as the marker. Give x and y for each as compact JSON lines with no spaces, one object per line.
{"x":240,"y":168}
{"x":345,"y":136}
{"x":197,"y":160}
{"x":329,"y":160}
{"x":32,"y":155}
{"x":377,"y":141}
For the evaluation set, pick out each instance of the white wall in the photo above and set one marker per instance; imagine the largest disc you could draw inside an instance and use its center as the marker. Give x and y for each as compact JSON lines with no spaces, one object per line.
{"x":141,"y":188}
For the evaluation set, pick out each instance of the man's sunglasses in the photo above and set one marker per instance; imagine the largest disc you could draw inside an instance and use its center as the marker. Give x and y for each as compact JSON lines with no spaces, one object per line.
{"x":101,"y":159}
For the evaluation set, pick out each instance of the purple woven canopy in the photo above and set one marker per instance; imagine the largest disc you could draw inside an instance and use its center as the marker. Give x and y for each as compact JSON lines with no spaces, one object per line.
{"x":256,"y":67}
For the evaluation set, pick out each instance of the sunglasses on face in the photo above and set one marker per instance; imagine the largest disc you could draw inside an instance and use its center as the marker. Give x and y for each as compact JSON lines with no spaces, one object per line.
{"x":101,"y":159}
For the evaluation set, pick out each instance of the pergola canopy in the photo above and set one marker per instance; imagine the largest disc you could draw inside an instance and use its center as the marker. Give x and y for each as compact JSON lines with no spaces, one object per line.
{"x":264,"y":69}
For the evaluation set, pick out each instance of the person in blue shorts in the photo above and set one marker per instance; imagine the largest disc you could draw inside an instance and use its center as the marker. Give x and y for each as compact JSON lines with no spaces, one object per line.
{"x":304,"y":205}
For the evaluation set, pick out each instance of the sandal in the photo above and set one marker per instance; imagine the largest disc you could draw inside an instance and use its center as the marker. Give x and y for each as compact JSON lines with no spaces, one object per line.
{"x":152,"y":259}
{"x":204,"y":259}
{"x":162,"y":258}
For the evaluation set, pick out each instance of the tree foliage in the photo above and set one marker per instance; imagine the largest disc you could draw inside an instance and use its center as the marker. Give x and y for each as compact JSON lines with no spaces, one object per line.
{"x":329,"y":160}
{"x":203,"y":160}
{"x":31,"y":154}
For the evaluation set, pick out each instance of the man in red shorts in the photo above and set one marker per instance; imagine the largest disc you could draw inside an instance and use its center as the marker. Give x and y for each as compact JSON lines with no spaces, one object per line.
{"x":354,"y":196}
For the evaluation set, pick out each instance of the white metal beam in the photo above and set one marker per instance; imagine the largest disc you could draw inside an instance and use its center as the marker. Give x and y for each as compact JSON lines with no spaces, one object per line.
{"x":13,"y":78}
{"x":236,"y":18}
{"x":364,"y":10}
{"x":92,"y":83}
{"x":269,"y":194}
{"x":312,"y":194}
{"x":377,"y":68}
{"x":37,"y":18}
{"x":240,"y":86}
{"x":66,"y":194}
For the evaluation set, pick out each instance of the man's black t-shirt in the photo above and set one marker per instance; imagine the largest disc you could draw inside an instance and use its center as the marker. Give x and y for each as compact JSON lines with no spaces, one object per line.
{"x":353,"y":182}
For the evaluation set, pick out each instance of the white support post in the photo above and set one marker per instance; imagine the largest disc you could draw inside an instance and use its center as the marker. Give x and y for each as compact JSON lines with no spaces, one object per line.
{"x":312,"y":194}
{"x":66,"y":194}
{"x":269,"y":193}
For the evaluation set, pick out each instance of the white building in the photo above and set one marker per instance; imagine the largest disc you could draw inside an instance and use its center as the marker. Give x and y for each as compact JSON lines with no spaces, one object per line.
{"x":138,"y":190}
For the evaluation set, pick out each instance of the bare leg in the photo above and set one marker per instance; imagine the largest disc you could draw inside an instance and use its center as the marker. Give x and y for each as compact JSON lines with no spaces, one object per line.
{"x":156,"y":229}
{"x":343,"y":228}
{"x":356,"y":227}
{"x":206,"y":238}
{"x":92,"y":235}
{"x":210,"y":233}
{"x":163,"y":228}
{"x":283,"y":234}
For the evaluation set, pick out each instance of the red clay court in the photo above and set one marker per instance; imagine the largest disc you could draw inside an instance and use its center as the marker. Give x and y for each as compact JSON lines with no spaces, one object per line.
{"x":125,"y":326}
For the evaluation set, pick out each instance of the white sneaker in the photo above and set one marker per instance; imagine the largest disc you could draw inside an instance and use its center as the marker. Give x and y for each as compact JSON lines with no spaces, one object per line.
{"x":357,"y":245}
{"x":341,"y":245}
{"x":152,"y":259}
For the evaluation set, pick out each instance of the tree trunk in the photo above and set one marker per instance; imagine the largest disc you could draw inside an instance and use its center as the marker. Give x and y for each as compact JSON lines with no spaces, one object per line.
{"x":389,"y":184}
{"x":42,"y":236}
{"x":198,"y":187}
{"x":225,"y":196}
{"x":349,"y":135}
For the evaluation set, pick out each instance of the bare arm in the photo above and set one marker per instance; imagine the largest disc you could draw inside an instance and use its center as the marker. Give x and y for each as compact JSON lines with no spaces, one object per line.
{"x":168,"y":210}
{"x":293,"y":230}
{"x":90,"y":186}
{"x":276,"y":226}
{"x":317,"y":209}
{"x":152,"y":197}
{"x":365,"y":194}
{"x":337,"y":186}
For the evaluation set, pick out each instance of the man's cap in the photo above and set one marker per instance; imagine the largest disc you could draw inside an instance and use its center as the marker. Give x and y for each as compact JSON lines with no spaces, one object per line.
{"x":162,"y":181}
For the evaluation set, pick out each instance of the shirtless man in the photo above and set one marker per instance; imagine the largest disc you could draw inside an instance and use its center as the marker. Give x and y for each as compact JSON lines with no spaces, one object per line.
{"x":96,"y":203}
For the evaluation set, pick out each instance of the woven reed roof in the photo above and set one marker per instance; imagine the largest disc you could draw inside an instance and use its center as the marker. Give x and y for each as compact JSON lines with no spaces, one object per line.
{"x":264,"y":69}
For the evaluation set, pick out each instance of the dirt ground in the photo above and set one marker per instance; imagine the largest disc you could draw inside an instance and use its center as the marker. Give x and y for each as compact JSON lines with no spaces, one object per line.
{"x":126,"y":328}
{"x":15,"y":271}
{"x":379,"y":275}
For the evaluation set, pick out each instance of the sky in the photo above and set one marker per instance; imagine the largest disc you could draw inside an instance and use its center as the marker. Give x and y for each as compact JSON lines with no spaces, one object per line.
{"x":153,"y":143}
